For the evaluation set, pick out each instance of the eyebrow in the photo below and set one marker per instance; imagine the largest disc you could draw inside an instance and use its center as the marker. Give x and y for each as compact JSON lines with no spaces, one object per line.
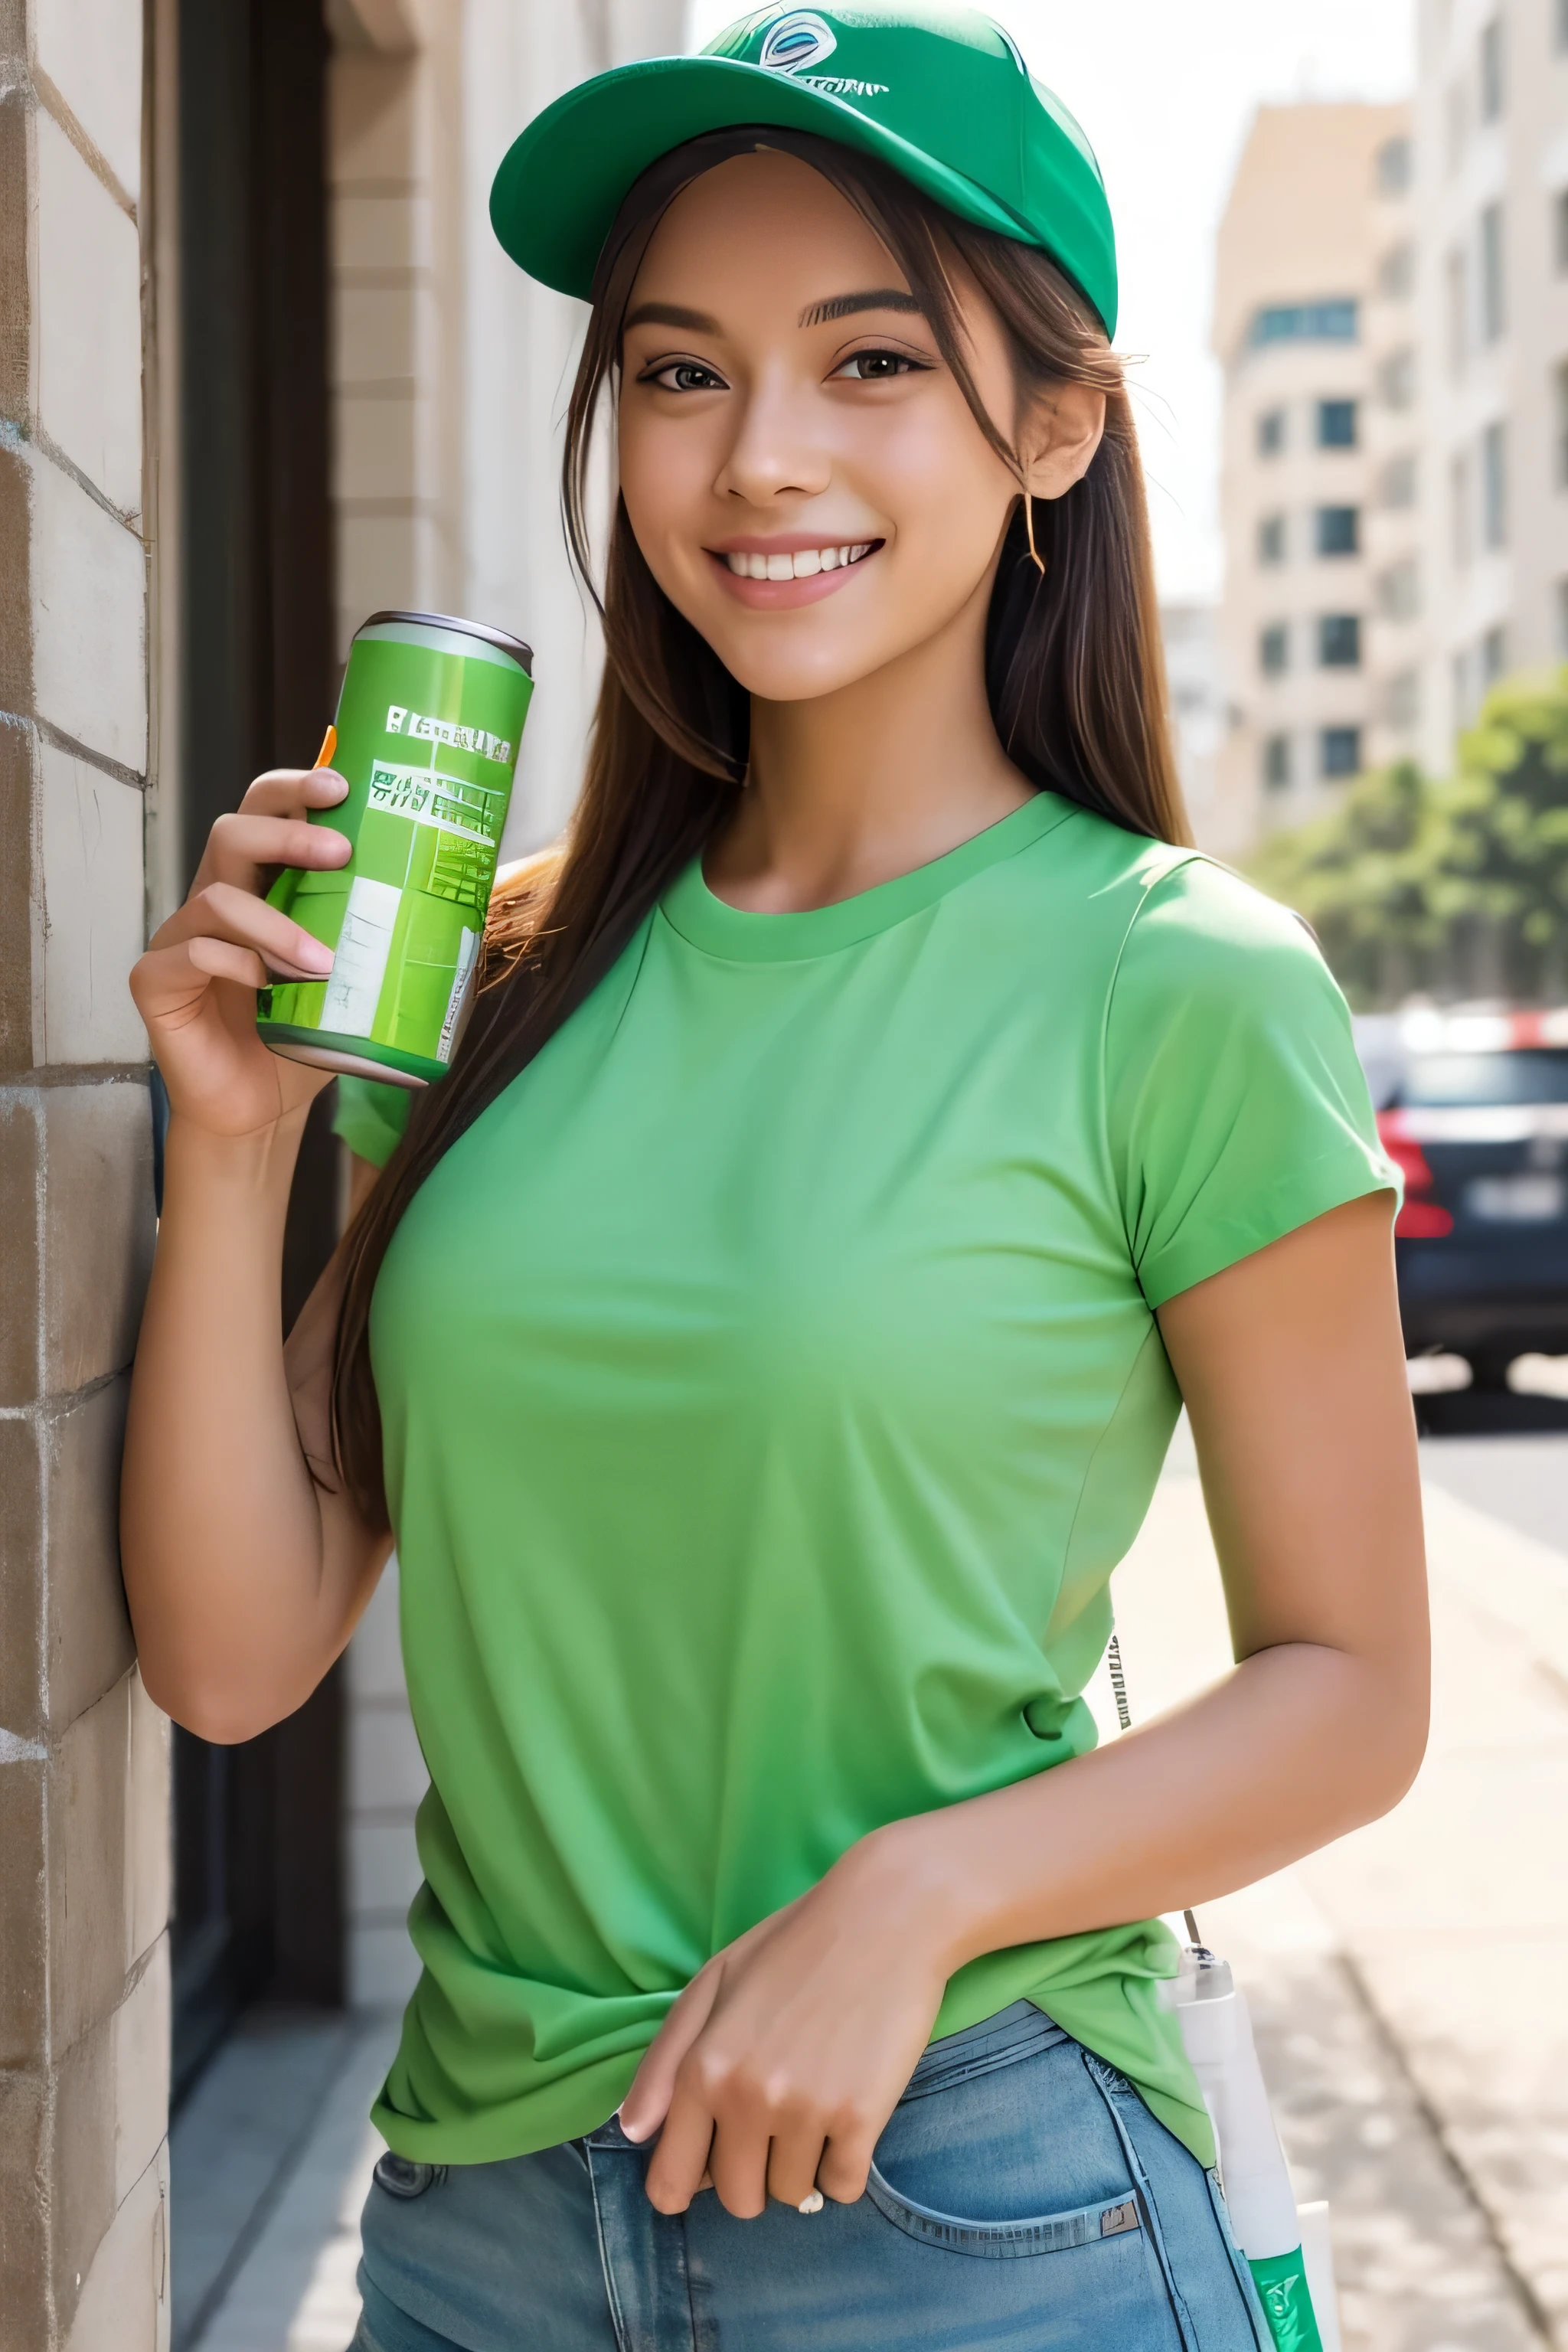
{"x":818,"y":314}
{"x":845,"y":306}
{"x":670,"y":314}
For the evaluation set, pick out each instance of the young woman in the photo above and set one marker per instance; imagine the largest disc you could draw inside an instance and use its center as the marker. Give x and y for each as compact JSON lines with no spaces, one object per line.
{"x":764,"y":1344}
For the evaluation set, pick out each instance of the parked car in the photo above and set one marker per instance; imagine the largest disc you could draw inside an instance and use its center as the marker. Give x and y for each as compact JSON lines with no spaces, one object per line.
{"x":1474,"y":1108}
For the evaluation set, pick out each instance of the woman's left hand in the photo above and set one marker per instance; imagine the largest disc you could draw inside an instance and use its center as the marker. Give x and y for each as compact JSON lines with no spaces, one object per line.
{"x":778,"y":2067}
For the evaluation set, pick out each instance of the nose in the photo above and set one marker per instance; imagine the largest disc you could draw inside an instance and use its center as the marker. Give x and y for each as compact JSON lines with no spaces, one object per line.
{"x":774,"y":452}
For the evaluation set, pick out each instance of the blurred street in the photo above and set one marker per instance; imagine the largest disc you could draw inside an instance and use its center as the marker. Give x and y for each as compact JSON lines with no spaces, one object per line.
{"x":1405,"y":1984}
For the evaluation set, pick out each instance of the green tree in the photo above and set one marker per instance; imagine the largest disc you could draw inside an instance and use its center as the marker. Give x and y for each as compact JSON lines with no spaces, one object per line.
{"x":1459,"y":887}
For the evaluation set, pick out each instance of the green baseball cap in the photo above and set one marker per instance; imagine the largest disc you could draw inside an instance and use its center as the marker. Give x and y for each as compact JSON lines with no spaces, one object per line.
{"x":940,"y":93}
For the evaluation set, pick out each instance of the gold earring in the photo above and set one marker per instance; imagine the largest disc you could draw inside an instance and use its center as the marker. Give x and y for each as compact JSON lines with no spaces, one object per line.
{"x":1029,"y":528}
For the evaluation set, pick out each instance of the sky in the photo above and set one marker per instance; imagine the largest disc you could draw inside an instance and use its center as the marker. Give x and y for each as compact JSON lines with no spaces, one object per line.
{"x":1166,"y":93}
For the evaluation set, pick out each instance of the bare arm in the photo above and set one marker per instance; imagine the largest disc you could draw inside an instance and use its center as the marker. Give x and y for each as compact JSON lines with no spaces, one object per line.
{"x":244,"y":1573}
{"x":782,"y":2061}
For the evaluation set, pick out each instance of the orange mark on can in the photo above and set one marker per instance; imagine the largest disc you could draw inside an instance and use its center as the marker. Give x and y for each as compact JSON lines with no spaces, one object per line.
{"x":329,"y":745}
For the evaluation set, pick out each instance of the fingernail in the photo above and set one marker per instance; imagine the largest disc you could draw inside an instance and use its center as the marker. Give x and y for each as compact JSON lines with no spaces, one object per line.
{"x":634,"y":2132}
{"x":311,"y":956}
{"x":812,"y":2204}
{"x":336,"y":786}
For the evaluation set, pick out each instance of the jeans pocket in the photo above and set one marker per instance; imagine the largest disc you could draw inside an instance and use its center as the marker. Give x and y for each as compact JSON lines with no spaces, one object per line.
{"x":1041,"y":2233}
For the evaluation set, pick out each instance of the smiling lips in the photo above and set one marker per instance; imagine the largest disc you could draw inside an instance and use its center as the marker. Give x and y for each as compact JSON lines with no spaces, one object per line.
{"x":769,"y":578}
{"x":802,"y":563}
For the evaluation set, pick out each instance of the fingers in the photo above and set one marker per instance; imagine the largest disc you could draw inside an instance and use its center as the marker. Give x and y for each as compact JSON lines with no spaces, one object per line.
{"x":680,"y":2163}
{"x":240,"y":848}
{"x":755,"y":2138}
{"x":219,"y":960}
{"x":289,"y":792}
{"x":647,"y":2104}
{"x":223,"y":911}
{"x":845,"y":2165}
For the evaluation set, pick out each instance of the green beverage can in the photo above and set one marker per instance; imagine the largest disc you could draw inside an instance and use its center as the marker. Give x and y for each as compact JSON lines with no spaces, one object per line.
{"x":429,"y":721}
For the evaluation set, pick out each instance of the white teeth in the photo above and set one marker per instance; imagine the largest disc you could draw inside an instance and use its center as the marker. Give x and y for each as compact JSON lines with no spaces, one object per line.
{"x":804,"y":565}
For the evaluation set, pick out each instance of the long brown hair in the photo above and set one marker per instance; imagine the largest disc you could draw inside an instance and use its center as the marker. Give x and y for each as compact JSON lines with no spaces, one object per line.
{"x":1074,"y":673}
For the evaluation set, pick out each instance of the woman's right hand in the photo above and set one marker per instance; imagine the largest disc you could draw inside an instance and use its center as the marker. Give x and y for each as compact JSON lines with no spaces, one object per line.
{"x":195,"y":986}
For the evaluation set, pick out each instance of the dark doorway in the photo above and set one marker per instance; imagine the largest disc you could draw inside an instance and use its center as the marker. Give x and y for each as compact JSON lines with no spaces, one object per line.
{"x":259,"y":1876}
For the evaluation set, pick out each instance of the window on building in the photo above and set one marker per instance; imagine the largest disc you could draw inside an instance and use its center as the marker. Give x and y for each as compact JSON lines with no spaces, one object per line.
{"x":1457,"y":302}
{"x":1396,"y":272}
{"x":1457,"y":115}
{"x":1276,"y":762}
{"x":1338,"y":531}
{"x":1338,"y":641}
{"x":1399,"y":590}
{"x":1461,"y":688}
{"x":1271,"y":433}
{"x":1399,"y":702}
{"x":1396,"y":483}
{"x":1460,"y":533}
{"x":1394,"y":167}
{"x":1336,"y":424}
{"x":1305,"y":322}
{"x":1494,"y":655}
{"x":1560,"y":24}
{"x":1561,"y":383}
{"x":1491,"y":90}
{"x":1274,"y":649}
{"x":1560,"y":231}
{"x":1493,"y":311}
{"x":1397,"y":379}
{"x":1339,"y":751}
{"x":1494,"y":485}
{"x":1562,"y":620}
{"x":1271,"y":539}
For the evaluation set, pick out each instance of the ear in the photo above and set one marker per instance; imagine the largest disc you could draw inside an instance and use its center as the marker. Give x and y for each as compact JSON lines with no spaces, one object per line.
{"x":1063,"y":428}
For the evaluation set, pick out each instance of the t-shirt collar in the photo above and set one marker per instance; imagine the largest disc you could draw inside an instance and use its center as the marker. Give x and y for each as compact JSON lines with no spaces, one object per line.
{"x":738,"y":935}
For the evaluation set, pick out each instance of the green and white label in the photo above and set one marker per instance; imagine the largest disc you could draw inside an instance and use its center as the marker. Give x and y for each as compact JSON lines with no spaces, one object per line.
{"x":426,"y":739}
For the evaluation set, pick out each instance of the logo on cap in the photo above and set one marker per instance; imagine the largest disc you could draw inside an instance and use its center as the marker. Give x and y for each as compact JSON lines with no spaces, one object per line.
{"x":796,"y":41}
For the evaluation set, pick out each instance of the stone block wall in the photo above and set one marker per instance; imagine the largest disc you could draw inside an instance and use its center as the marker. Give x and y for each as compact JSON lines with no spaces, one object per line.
{"x":84,"y":1756}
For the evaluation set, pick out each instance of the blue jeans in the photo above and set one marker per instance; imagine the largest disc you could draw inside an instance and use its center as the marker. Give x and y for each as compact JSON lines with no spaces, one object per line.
{"x":1023,"y":2196}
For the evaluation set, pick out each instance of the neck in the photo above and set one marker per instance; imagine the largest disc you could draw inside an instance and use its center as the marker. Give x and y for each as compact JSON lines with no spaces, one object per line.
{"x":853,"y":788}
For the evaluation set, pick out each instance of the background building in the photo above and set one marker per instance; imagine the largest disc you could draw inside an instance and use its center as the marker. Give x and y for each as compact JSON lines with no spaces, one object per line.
{"x":1491,"y":135}
{"x":1314,"y":326}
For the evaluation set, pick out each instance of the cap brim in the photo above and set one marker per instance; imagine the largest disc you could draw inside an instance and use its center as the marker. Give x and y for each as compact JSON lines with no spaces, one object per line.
{"x":561,"y":183}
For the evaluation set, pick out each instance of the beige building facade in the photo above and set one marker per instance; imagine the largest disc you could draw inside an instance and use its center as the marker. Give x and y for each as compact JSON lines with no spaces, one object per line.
{"x":1315,"y":327}
{"x":1491,"y":134}
{"x":84,"y":1757}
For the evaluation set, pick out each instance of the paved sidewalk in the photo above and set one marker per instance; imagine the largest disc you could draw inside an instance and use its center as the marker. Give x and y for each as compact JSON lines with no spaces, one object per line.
{"x":1406,"y":1986}
{"x":271,"y":2162}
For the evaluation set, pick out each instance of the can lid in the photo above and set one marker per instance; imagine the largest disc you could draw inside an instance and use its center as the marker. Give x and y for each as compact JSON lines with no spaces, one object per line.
{"x":520,"y":653}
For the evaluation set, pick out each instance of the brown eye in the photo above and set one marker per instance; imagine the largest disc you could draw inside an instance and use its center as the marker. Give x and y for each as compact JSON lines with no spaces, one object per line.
{"x":684,"y":376}
{"x":876,"y":367}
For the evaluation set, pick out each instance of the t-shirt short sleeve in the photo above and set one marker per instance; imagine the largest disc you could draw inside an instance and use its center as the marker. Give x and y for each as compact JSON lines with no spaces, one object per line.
{"x":1235,"y":1104}
{"x":371,"y":1119}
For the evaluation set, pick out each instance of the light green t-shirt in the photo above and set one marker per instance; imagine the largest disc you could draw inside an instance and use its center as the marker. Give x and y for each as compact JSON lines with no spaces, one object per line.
{"x":770,"y":1383}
